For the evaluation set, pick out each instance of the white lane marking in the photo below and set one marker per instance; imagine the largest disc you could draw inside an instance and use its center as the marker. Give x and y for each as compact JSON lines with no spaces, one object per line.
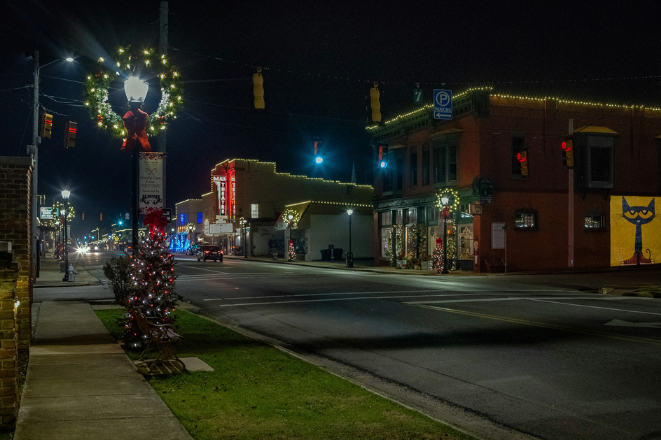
{"x":321,"y":294}
{"x":372,"y":297}
{"x":517,"y":298}
{"x":488,"y":292}
{"x":594,"y":307}
{"x":326,"y":300}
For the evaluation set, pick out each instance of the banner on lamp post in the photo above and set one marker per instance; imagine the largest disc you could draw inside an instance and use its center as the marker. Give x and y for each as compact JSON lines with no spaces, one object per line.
{"x":152,"y":182}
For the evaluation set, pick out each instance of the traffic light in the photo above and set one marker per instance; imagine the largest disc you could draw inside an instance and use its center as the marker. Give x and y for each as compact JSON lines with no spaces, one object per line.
{"x":568,"y":152}
{"x":383,"y":156}
{"x":101,"y":217}
{"x":83,"y":216}
{"x":45,"y":125}
{"x":375,"y":104}
{"x":70,"y":129}
{"x":318,"y":157}
{"x":258,"y":90}
{"x":522,"y":157}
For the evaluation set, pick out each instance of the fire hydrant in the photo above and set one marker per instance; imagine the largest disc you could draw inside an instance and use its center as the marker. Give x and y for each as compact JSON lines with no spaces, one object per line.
{"x":71,"y":273}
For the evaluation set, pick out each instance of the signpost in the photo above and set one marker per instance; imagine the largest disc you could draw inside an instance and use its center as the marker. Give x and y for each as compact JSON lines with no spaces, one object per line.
{"x":443,"y":104}
{"x":46,"y":213}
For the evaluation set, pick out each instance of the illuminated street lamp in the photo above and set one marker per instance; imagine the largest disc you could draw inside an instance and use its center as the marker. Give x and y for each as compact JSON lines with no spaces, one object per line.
{"x":136,"y":92}
{"x":445,"y":201}
{"x":34,"y":150}
{"x":350,"y":254}
{"x":65,"y":196}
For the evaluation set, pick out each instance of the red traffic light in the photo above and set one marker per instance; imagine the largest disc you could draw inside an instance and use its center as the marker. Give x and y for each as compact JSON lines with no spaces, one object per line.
{"x":522,"y":158}
{"x":567,"y":145}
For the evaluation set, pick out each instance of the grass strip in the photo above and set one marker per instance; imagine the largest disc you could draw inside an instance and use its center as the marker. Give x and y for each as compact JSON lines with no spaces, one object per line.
{"x":259,"y":392}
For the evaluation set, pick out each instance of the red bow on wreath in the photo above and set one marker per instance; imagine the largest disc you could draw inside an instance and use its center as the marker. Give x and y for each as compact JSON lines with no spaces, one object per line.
{"x":445,"y":213}
{"x":156,"y":220}
{"x":135,"y":124}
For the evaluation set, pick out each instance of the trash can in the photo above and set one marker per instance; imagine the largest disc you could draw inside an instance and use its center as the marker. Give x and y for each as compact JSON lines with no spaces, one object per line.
{"x":325,"y":255}
{"x":337,"y":254}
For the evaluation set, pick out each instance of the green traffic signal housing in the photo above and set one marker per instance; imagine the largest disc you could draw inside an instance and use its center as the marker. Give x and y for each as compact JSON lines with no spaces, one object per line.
{"x":258,"y":90}
{"x":375,"y":104}
{"x":45,"y":125}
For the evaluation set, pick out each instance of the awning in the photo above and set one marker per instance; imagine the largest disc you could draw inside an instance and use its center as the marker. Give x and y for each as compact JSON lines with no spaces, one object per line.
{"x":595,"y":129}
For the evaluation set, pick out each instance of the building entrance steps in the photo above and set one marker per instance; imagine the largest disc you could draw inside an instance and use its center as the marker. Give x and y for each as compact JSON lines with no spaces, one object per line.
{"x":80,"y":384}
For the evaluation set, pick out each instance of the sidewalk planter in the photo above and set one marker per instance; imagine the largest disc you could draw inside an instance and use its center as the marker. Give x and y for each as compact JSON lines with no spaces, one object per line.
{"x":337,"y":254}
{"x":401,"y":264}
{"x":325,"y":255}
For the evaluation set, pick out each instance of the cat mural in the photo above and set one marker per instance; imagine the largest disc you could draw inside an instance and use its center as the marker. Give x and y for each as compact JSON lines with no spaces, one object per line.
{"x":638,"y":216}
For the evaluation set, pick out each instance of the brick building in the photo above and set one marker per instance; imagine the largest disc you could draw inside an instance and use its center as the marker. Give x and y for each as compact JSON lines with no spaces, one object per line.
{"x":617,"y":166}
{"x":253,"y":191}
{"x":15,"y":277}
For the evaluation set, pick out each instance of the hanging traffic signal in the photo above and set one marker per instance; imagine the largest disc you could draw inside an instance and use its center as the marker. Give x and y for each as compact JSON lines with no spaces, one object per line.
{"x":258,"y":90}
{"x":318,"y":158}
{"x":101,"y":217}
{"x":83,"y":216}
{"x":383,"y":156}
{"x":375,"y":104}
{"x":522,"y":157}
{"x":568,"y":152}
{"x":70,"y":130}
{"x":45,"y":125}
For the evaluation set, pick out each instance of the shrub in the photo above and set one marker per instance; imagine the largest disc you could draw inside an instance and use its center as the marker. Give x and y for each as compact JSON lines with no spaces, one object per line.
{"x":118,"y":272}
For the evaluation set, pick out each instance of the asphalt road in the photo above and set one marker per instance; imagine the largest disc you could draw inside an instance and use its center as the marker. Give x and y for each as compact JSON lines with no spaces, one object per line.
{"x":542,"y":354}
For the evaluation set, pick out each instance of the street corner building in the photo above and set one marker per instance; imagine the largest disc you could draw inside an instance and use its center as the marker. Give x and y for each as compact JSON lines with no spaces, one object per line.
{"x":253,"y":210}
{"x":541,"y":183}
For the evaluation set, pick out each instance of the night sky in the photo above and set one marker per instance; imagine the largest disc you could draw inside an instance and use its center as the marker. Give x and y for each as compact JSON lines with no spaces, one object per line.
{"x":319,"y":60}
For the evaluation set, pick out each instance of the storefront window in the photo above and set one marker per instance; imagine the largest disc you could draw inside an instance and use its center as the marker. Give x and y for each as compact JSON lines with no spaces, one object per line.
{"x":386,"y":245}
{"x":465,"y":242}
{"x":386,"y":218}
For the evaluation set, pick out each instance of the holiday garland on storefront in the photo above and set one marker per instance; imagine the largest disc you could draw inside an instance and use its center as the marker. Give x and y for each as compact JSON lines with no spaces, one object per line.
{"x":128,"y":60}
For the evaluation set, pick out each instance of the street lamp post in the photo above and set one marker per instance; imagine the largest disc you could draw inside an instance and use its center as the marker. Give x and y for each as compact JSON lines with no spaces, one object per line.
{"x":445,"y":200}
{"x":350,"y":254}
{"x":190,"y":234}
{"x":136,"y":92}
{"x":65,"y":196}
{"x":34,"y":150}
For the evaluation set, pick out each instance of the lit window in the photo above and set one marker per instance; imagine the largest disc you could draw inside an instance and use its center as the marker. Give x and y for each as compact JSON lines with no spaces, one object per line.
{"x":595,"y":221}
{"x":525,"y":219}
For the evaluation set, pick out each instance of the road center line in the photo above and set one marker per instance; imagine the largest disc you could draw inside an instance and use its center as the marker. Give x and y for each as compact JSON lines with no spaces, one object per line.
{"x":592,"y":307}
{"x":543,"y":325}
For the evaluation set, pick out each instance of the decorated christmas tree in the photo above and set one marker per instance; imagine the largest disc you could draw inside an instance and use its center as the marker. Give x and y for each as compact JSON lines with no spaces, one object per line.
{"x":438,"y":256}
{"x":153,"y":278}
{"x":291,"y":252}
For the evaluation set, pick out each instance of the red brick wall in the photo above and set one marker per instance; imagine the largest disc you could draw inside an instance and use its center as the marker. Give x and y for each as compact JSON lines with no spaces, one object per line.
{"x":15,"y":217}
{"x":8,"y":342}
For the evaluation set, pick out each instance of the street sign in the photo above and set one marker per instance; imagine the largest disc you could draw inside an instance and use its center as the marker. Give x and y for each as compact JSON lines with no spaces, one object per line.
{"x":167,"y":212}
{"x":442,"y":104}
{"x":126,"y":216}
{"x":417,"y":96}
{"x":46,"y":213}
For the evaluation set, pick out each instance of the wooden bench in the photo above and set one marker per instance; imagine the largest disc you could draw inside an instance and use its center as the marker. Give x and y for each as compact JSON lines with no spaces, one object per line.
{"x":493,"y":263}
{"x":162,"y":337}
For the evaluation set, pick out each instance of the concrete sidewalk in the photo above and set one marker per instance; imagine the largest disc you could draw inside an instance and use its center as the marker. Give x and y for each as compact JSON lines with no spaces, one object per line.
{"x":81,"y":385}
{"x":50,"y":275}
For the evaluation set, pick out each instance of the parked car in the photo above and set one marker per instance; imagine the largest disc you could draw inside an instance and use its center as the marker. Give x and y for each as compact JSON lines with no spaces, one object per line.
{"x":209,"y":252}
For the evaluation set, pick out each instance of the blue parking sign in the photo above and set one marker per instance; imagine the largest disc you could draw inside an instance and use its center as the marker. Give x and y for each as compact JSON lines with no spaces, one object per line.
{"x":442,"y":104}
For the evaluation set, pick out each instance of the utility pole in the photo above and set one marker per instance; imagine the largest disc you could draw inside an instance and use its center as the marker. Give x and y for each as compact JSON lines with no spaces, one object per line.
{"x":33,"y":149}
{"x":570,"y":210}
{"x":163,"y":50}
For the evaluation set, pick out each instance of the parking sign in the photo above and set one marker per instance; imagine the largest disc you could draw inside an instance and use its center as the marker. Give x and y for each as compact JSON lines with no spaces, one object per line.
{"x":442,"y":104}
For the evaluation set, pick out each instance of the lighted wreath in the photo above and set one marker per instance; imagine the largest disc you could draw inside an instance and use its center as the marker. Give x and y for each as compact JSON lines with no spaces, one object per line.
{"x":128,"y":60}
{"x":453,"y":197}
{"x":294,"y":219}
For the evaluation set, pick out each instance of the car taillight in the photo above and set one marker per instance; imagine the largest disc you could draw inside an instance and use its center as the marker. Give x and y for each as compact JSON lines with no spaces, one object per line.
{"x":206,"y":252}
